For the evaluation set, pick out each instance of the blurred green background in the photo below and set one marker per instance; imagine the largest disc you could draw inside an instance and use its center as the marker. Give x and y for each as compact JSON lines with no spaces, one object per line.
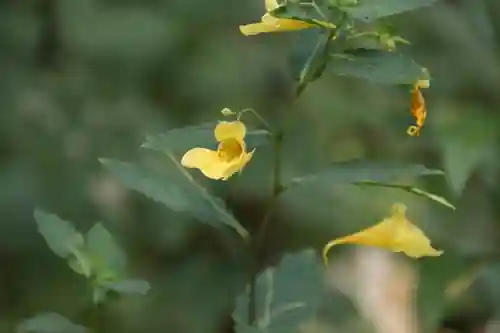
{"x":83,"y":79}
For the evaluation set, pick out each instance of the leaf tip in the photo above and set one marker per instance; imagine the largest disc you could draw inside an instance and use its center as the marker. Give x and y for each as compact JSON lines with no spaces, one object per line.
{"x":38,"y":212}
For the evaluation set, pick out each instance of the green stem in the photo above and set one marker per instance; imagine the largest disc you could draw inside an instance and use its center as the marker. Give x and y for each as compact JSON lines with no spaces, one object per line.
{"x":258,"y":116}
{"x":92,"y":316}
{"x":277,"y":188}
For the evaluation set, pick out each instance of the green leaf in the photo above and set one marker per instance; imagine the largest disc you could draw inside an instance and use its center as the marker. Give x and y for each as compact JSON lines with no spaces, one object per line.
{"x":245,"y":328}
{"x":315,"y":64}
{"x":61,"y":237}
{"x":435,"y":276}
{"x":343,"y":3}
{"x":357,"y":171}
{"x":181,"y":194}
{"x":287,"y":295}
{"x":371,"y":10}
{"x":467,"y":142}
{"x":411,"y":189}
{"x":81,"y":263}
{"x":383,"y":38}
{"x":185,"y":138}
{"x":460,"y":159}
{"x":108,"y":259}
{"x":309,"y":13}
{"x":131,"y":286}
{"x":377,"y":66}
{"x":49,"y":322}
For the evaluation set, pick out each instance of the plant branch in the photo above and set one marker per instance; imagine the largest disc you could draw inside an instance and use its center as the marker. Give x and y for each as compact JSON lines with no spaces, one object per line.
{"x":258,"y":116}
{"x":259,"y":238}
{"x":277,"y":187}
{"x":92,"y":316}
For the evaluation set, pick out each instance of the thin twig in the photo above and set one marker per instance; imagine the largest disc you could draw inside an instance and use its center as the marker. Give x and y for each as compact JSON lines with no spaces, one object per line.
{"x":258,"y":116}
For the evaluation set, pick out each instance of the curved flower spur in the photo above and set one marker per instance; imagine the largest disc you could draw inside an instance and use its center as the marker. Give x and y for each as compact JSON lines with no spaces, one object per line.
{"x":230,"y":157}
{"x":394,"y":233}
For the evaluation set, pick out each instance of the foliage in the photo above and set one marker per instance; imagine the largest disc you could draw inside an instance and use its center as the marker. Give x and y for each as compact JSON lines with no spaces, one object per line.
{"x":49,"y":322}
{"x":157,"y":66}
{"x":95,"y":255}
{"x":281,"y":310}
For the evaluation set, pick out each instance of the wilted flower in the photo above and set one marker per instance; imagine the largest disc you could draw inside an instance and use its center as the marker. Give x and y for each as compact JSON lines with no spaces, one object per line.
{"x":230,"y":157}
{"x":270,"y":23}
{"x":394,"y":233}
{"x":418,"y":109}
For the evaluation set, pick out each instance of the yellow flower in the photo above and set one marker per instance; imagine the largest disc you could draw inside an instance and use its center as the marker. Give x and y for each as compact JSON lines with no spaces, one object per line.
{"x":418,"y":109}
{"x":230,"y":157}
{"x":270,"y":23}
{"x":394,"y":233}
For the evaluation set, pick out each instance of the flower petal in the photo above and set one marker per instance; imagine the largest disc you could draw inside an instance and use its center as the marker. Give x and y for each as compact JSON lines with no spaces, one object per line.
{"x":394,"y":233}
{"x":413,"y":242}
{"x":238,"y":164}
{"x":257,"y":28}
{"x":272,"y":24}
{"x":206,"y":161}
{"x":409,"y":239}
{"x":230,"y":130}
{"x":281,"y":24}
{"x":380,"y":235}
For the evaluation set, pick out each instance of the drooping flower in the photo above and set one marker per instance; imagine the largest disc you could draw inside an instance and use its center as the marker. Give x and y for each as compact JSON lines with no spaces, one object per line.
{"x":394,"y":233}
{"x":418,"y":108}
{"x":231,"y":155}
{"x":270,"y":23}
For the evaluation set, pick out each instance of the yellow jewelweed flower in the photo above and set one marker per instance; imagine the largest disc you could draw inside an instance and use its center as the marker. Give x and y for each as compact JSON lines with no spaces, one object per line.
{"x":231,"y":155}
{"x":394,"y":233}
{"x":270,"y":23}
{"x":418,"y":108}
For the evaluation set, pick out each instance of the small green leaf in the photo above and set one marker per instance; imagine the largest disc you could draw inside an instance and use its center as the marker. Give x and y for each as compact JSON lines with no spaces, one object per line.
{"x":371,"y":10}
{"x":181,"y":194}
{"x":61,"y":237}
{"x":80,"y":263}
{"x":185,"y":138}
{"x":131,"y":286}
{"x":377,"y":66}
{"x":49,"y":322}
{"x":411,"y":189}
{"x":287,"y":295}
{"x":352,"y":172}
{"x":107,"y":257}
